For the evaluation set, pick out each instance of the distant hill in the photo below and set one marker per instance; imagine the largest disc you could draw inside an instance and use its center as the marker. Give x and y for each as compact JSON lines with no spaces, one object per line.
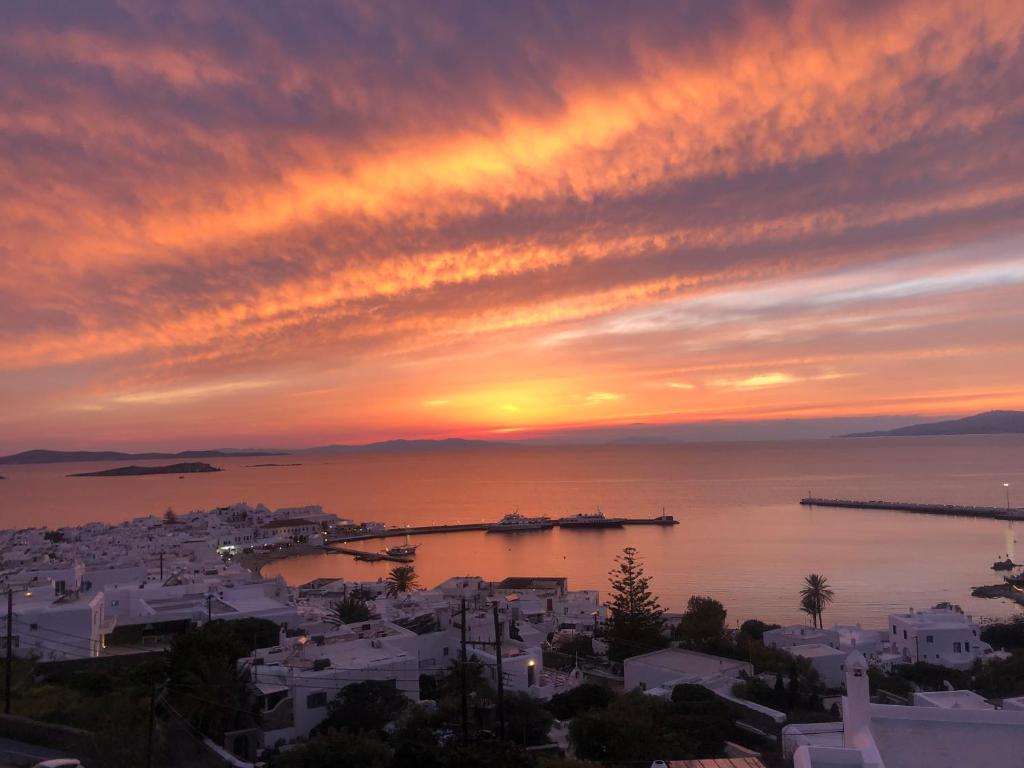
{"x":171,"y":469}
{"x":40,"y":456}
{"x":394,"y":446}
{"x":988,"y":423}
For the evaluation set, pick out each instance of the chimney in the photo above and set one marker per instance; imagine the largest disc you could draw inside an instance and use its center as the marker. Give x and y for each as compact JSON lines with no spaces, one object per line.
{"x":856,"y":703}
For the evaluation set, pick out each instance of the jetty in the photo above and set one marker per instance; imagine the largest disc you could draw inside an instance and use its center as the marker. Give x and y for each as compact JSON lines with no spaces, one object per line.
{"x":369,"y":557}
{"x":955,"y":510}
{"x":427,"y":530}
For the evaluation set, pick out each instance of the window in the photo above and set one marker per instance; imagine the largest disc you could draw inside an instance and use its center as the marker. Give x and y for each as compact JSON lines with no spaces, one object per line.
{"x":957,"y":648}
{"x":316,"y":700}
{"x":904,"y":634}
{"x":445,"y":651}
{"x":33,"y":627}
{"x":967,"y":647}
{"x":930,"y":639}
{"x":894,"y":629}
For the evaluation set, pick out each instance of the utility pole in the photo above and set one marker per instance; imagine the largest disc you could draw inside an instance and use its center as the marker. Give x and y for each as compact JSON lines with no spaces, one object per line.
{"x":10,"y":651}
{"x":501,"y":678}
{"x":152,"y":724}
{"x":161,"y":566}
{"x":209,"y":608}
{"x":462,"y":670}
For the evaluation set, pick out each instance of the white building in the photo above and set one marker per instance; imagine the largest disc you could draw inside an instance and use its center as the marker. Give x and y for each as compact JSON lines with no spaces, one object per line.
{"x":872,"y":643}
{"x":951,"y":700}
{"x":882,"y":735}
{"x":785,"y":638}
{"x":671,"y":666}
{"x":941,"y":635}
{"x":296,"y":680}
{"x":658,"y":672}
{"x":828,"y":662}
{"x":51,"y":626}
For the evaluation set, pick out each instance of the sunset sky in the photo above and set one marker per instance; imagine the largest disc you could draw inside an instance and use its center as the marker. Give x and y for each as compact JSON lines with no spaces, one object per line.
{"x":255,"y":223}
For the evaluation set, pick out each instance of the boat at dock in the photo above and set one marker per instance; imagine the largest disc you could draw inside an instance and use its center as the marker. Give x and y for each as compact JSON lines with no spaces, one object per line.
{"x":515,"y":522}
{"x":593,"y":520}
{"x":402,"y":550}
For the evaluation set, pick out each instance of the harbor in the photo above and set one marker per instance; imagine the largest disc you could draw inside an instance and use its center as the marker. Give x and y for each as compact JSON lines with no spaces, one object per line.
{"x":426,"y":530}
{"x":955,"y":510}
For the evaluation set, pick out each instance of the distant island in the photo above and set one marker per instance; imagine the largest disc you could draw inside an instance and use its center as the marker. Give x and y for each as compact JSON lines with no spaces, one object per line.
{"x":170,"y":469}
{"x":387,"y":446}
{"x":39,"y":456}
{"x":988,"y":423}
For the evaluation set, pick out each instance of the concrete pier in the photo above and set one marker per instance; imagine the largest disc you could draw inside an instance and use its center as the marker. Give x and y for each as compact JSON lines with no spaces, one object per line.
{"x":955,"y":510}
{"x":426,"y":530}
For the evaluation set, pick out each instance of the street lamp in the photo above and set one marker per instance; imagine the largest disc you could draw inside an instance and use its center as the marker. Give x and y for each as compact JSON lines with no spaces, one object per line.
{"x":1007,"y":487}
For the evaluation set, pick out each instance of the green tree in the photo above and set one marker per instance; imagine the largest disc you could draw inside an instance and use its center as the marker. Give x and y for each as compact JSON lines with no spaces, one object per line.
{"x":635,"y":618}
{"x":638,"y":728}
{"x":1005,"y":635}
{"x":527,"y":722}
{"x":815,"y":596}
{"x":203,"y":679}
{"x":350,"y":609}
{"x":336,"y":749}
{"x":754,"y":629}
{"x":364,"y":707}
{"x":568,"y":704}
{"x":401,"y":579}
{"x":703,"y":624}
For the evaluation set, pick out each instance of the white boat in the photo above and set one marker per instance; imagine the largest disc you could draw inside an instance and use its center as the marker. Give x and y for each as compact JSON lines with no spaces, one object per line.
{"x":593,"y":520}
{"x":513,"y":522}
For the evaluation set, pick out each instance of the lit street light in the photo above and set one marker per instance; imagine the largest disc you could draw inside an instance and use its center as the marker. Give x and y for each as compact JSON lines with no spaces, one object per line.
{"x":1007,"y":487}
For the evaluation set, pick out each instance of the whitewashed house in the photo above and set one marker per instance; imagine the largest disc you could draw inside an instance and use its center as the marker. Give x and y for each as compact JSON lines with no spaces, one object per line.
{"x":942,"y":635}
{"x":53,"y":626}
{"x":296,"y":679}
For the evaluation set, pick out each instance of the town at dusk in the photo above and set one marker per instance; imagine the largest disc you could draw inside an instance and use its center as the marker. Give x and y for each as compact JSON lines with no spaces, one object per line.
{"x":547,"y":384}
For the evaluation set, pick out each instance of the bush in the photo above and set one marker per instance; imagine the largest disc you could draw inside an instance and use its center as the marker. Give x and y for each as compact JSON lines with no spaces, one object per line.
{"x":580,"y":699}
{"x":1008,"y":635}
{"x":527,"y":722}
{"x":933,"y":677}
{"x":337,"y":749}
{"x":364,"y":707}
{"x":639,"y":728}
{"x":754,"y":629}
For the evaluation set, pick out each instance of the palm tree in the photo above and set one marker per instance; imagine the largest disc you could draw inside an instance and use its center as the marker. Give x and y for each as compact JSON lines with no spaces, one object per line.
{"x":815,"y":597}
{"x":349,"y":610}
{"x":808,"y":606}
{"x":401,"y":579}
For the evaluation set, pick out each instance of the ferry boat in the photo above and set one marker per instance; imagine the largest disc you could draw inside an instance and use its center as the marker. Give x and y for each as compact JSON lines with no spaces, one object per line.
{"x":594,"y":520}
{"x":513,"y":522}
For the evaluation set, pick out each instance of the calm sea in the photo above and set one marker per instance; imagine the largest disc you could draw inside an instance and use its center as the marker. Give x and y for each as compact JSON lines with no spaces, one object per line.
{"x":743,"y":537}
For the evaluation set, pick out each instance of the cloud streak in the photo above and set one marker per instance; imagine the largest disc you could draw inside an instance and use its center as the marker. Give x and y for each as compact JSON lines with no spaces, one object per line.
{"x":328,"y":196}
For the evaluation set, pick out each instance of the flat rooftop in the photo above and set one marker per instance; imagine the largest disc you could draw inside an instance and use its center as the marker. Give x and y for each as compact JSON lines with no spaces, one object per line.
{"x":691,"y":662}
{"x":816,"y":651}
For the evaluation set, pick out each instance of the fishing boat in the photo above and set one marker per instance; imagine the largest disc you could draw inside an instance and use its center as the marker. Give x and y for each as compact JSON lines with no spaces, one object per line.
{"x":593,"y":520}
{"x":515,"y":522}
{"x":402,"y":550}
